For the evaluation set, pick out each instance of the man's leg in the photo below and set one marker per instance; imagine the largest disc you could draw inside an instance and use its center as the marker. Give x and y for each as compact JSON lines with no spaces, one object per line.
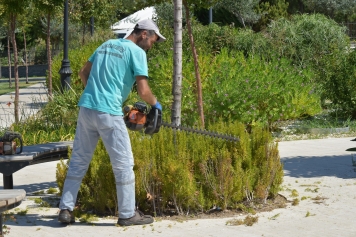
{"x":117,"y":142}
{"x":85,"y":141}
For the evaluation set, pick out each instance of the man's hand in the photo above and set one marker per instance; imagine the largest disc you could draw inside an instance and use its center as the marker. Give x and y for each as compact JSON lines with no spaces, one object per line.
{"x":157,"y":106}
{"x":84,"y":72}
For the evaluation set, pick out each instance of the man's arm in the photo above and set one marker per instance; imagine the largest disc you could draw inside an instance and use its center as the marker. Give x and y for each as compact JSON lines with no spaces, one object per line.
{"x":144,"y":90}
{"x":84,"y":72}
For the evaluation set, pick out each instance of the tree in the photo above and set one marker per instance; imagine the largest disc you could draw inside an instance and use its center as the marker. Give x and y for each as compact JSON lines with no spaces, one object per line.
{"x":270,"y":10}
{"x":177,"y":62}
{"x":25,"y":54}
{"x":48,"y":8}
{"x":3,"y":35}
{"x":11,"y":10}
{"x":244,"y":10}
{"x":177,"y":96}
{"x":103,"y":11}
{"x":201,"y":4}
{"x":9,"y":55}
{"x":295,"y":7}
{"x":333,"y":8}
{"x":175,"y":17}
{"x":24,"y":25}
{"x":81,"y":11}
{"x":196,"y":65}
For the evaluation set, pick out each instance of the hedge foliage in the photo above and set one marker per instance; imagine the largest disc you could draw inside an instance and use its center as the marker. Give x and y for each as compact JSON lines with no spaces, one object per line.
{"x":340,"y":86}
{"x":281,"y":84}
{"x":175,"y":174}
{"x":313,"y":41}
{"x":242,"y":89}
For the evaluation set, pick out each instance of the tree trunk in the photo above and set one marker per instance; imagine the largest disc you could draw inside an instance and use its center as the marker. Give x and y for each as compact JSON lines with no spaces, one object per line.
{"x":196,"y":66}
{"x":25,"y":44}
{"x":177,"y":62}
{"x":16,"y":66}
{"x":83,"y":34}
{"x":301,"y":6}
{"x":9,"y":56}
{"x":49,"y":55}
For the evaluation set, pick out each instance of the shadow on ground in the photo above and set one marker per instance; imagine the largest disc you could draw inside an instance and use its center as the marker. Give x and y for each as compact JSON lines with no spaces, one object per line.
{"x":30,"y":188}
{"x":35,"y":220}
{"x":318,"y":166}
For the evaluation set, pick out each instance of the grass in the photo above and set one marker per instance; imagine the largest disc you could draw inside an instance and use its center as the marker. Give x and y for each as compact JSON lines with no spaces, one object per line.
{"x":324,"y":121}
{"x":312,"y":190}
{"x":309,"y":214}
{"x":274,"y":217}
{"x":294,"y":193}
{"x":295,"y":202}
{"x":248,"y":221}
{"x":22,"y":212}
{"x":52,"y":190}
{"x":88,"y":218}
{"x":322,"y":125}
{"x":4,"y":86}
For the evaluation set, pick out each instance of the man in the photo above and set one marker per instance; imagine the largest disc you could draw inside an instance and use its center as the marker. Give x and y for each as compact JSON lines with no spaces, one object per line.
{"x":108,"y":77}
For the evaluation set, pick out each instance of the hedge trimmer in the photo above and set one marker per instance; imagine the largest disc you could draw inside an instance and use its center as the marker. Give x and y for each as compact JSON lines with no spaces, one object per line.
{"x":138,"y":117}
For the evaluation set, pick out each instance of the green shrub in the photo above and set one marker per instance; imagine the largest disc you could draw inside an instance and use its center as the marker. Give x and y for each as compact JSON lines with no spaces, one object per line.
{"x":307,"y":38}
{"x":282,"y":93}
{"x":254,"y":90}
{"x":266,"y":164}
{"x":340,"y":86}
{"x":54,"y":122}
{"x":310,"y":40}
{"x":270,"y":11}
{"x":211,"y":39}
{"x":312,"y":43}
{"x":241,"y":89}
{"x":177,"y":172}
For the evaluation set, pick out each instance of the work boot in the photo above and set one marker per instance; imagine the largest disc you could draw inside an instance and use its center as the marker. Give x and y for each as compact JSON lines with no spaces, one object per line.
{"x":66,"y":216}
{"x":138,"y":219}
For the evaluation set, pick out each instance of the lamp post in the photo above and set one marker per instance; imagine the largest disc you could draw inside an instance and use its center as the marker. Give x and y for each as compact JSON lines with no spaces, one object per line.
{"x":91,"y":26}
{"x":65,"y":70}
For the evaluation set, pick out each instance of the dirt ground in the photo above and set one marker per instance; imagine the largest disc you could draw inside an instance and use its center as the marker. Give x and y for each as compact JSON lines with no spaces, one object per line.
{"x":246,"y":208}
{"x":250,"y":208}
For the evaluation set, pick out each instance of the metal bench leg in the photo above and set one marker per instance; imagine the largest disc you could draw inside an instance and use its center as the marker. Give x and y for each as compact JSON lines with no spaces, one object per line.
{"x":8,"y":182}
{"x":1,"y":225}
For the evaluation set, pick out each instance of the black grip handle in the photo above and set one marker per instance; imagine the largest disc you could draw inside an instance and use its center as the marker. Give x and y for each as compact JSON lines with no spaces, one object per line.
{"x":154,"y":121}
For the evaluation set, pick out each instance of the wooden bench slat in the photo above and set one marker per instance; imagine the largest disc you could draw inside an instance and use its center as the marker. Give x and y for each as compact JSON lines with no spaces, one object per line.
{"x":3,"y":203}
{"x":30,"y":153}
{"x":11,"y":196}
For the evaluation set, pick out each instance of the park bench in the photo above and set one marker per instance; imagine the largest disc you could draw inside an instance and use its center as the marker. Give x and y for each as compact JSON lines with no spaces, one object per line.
{"x":32,"y":155}
{"x":8,"y":200}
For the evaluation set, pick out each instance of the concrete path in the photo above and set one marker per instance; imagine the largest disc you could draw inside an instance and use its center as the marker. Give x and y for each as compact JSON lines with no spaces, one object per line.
{"x":320,"y":171}
{"x":31,"y":99}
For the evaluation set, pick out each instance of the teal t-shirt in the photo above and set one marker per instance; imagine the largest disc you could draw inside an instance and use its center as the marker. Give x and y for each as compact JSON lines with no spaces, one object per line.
{"x":115,"y":65}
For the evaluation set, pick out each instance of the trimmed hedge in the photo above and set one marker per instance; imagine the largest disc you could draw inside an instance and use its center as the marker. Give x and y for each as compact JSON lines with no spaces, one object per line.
{"x":175,"y":174}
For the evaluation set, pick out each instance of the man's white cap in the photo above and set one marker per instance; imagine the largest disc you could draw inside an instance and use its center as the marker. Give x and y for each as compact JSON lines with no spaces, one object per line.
{"x":150,"y":25}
